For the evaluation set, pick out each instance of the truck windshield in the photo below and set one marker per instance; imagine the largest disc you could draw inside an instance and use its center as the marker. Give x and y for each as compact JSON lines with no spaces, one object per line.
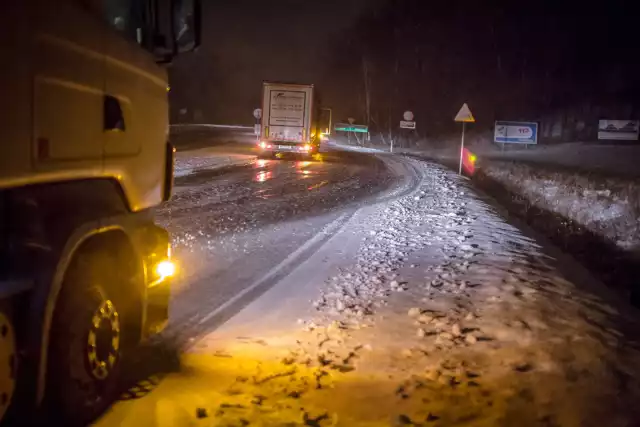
{"x":126,"y":16}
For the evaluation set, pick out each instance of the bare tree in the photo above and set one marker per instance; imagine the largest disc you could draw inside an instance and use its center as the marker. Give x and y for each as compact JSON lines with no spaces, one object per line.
{"x":367,"y":90}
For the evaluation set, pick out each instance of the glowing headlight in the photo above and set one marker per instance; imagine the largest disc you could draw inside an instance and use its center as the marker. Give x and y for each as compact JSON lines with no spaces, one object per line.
{"x":165,"y":269}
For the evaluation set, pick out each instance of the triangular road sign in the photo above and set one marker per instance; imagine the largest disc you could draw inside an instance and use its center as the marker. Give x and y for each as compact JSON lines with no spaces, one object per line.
{"x":464,"y":115}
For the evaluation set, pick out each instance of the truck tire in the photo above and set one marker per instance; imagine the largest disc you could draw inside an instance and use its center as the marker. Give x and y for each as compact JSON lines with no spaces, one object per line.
{"x":8,"y":360}
{"x":86,"y":343}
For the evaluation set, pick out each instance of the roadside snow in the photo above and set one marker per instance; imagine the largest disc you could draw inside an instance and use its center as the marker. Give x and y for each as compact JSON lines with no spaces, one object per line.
{"x":610,"y":159}
{"x":429,"y":309}
{"x":358,"y":148}
{"x":609,"y":207}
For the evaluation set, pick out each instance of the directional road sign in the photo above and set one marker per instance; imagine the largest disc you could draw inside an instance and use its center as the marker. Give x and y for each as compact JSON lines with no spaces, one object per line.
{"x":344,"y":127}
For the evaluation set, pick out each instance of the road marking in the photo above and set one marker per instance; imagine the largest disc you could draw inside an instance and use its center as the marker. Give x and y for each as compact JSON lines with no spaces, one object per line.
{"x":328,"y":230}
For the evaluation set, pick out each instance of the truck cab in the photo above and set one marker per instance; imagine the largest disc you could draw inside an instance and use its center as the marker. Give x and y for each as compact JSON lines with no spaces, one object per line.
{"x":84,"y":270}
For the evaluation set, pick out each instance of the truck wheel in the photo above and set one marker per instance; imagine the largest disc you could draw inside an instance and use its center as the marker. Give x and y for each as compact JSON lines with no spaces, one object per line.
{"x":86,"y":342}
{"x":7,"y":360}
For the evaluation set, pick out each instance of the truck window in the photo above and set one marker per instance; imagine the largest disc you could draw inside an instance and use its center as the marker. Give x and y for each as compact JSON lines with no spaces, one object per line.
{"x":184,"y":23}
{"x":126,"y":16}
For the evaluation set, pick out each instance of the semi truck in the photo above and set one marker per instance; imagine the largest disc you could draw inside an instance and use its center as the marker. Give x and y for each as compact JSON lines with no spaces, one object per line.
{"x":85,"y":272}
{"x":288,"y":123}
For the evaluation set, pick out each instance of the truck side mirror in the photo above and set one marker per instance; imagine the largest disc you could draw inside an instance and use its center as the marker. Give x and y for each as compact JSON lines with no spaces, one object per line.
{"x":176,"y":28}
{"x":186,"y":20}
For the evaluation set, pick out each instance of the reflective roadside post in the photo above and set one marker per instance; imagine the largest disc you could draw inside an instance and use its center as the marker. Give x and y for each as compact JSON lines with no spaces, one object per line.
{"x":464,"y":116}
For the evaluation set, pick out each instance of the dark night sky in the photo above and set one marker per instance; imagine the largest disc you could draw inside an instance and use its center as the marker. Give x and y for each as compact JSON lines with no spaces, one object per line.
{"x":509,"y":60}
{"x":246,"y":42}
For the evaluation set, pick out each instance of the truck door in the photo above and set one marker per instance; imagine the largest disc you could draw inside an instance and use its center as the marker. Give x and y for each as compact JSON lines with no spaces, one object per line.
{"x":68,"y":86}
{"x":136,"y":88}
{"x":125,"y":81}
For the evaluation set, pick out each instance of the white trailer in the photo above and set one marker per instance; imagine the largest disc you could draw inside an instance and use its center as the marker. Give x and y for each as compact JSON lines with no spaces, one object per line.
{"x":288,"y":122}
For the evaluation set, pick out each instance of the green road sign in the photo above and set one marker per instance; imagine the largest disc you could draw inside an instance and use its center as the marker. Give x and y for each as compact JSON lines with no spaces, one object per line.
{"x":345,"y":127}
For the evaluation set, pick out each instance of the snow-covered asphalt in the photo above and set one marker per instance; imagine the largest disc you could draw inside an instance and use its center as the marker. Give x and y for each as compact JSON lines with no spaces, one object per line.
{"x":238,"y":230}
{"x":378,"y":290}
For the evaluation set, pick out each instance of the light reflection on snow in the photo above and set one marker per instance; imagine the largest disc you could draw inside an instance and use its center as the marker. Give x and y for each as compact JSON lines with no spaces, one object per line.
{"x":318,"y":185}
{"x":263,"y":176}
{"x":300,"y":168}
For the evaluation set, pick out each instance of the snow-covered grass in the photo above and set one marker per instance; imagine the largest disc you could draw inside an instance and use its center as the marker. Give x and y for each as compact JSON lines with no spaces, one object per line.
{"x":608,"y":207}
{"x":606,"y":159}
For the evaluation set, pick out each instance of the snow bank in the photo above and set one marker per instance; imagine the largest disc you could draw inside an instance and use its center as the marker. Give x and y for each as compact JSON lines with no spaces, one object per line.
{"x":615,"y":160}
{"x":608,"y":207}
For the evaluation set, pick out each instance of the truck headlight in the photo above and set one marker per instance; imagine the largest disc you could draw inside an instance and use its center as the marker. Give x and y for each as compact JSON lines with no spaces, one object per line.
{"x":165,"y":269}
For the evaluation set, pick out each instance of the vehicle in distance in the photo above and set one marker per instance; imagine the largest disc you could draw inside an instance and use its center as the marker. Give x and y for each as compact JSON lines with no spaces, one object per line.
{"x":84,"y":270}
{"x":288,"y":120}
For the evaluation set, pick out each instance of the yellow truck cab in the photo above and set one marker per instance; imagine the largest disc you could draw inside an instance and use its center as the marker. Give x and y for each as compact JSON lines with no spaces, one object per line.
{"x":85,"y":157}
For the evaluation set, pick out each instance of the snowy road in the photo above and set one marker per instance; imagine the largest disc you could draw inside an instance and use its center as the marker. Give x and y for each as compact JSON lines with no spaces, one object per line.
{"x":374,"y":291}
{"x":237,"y":231}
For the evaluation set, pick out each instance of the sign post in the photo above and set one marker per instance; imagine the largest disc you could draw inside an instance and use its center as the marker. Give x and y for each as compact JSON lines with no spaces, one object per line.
{"x":257,"y":113}
{"x":408,"y":122}
{"x":351,"y":128}
{"x":464,"y":116}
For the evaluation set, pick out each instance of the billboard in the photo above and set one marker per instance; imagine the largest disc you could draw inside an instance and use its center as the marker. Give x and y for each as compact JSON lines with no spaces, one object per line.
{"x":625,"y":130}
{"x":516,"y":132}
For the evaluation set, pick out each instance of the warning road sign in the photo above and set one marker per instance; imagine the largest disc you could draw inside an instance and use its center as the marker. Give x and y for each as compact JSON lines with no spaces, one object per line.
{"x":464,"y":115}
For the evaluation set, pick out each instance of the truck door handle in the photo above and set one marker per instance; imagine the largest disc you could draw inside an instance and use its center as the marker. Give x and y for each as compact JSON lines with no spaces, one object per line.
{"x":113,"y":117}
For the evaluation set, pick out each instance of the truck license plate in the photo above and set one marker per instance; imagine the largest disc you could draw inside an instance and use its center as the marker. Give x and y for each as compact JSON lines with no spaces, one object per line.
{"x":285,"y":147}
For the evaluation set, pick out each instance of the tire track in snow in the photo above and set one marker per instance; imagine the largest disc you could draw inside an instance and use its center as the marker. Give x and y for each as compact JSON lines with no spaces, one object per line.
{"x":186,"y":331}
